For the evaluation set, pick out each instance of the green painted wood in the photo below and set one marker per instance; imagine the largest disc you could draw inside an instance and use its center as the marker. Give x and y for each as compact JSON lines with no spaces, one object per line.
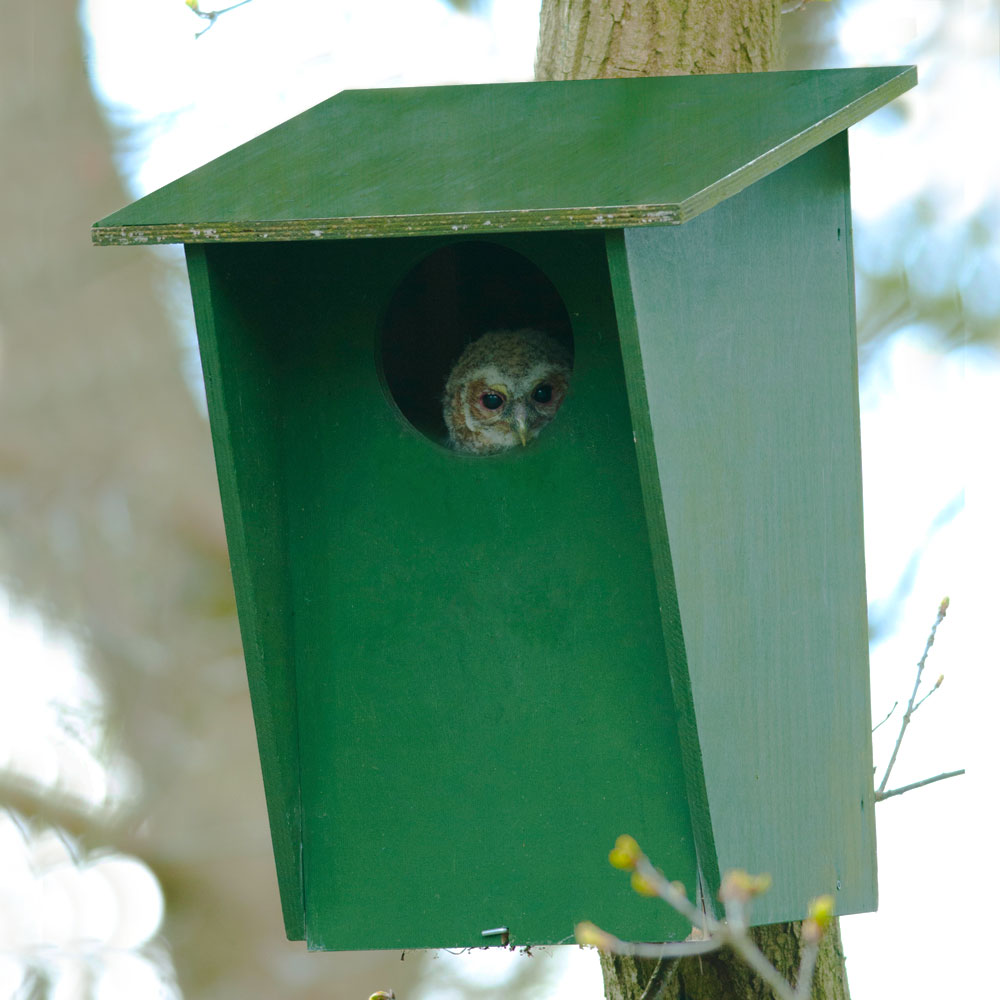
{"x":546,"y":156}
{"x":238,"y":365}
{"x":669,"y":611}
{"x":747,"y":397}
{"x":482,"y":694}
{"x":469,"y":675}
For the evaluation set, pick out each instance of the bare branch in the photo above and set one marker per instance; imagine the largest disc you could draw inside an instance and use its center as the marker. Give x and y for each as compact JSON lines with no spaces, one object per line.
{"x":757,"y":961}
{"x":211,"y":15}
{"x":90,"y":828}
{"x":913,"y":704}
{"x":659,"y":980}
{"x":880,"y":795}
{"x":673,"y":895}
{"x":677,"y":949}
{"x":929,"y":693}
{"x":709,"y":934}
{"x":895,"y":705}
{"x":803,"y":984}
{"x":35,"y":802}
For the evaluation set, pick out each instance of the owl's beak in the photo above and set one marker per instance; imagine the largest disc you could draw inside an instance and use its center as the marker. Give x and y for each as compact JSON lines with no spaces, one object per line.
{"x":521,"y":426}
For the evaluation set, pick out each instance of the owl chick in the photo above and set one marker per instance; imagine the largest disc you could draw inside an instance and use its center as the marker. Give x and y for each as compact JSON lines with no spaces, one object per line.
{"x":504,"y":389}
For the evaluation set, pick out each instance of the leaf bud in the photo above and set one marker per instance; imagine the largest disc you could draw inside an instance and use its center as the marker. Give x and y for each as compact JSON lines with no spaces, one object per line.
{"x":625,"y":854}
{"x":738,"y":885}
{"x":821,"y":911}
{"x":642,"y":885}
{"x":590,"y":934}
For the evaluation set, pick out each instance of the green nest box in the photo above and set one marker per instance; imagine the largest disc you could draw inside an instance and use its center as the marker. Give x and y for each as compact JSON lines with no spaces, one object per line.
{"x":470,"y":673}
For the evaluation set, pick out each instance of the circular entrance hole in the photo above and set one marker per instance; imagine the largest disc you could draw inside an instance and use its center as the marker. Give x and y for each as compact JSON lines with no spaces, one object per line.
{"x":449,"y":299}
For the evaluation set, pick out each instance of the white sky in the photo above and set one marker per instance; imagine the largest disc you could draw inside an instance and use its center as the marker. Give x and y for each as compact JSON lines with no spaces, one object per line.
{"x":269,"y":60}
{"x":929,"y":416}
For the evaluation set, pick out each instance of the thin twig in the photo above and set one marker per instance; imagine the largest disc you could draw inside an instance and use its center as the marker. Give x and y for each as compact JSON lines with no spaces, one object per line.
{"x":672,"y":895}
{"x":213,"y":15}
{"x":895,"y":705}
{"x":674,"y":949}
{"x":660,"y":979}
{"x":736,"y":892}
{"x":718,"y":934}
{"x":757,"y":961}
{"x":929,"y":693}
{"x":722,"y":935}
{"x":912,"y":705}
{"x":880,"y":795}
{"x":807,"y":967}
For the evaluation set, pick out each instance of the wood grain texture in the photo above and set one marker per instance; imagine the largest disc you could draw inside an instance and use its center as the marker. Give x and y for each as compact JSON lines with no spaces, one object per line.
{"x":745,"y":326}
{"x":528,"y":156}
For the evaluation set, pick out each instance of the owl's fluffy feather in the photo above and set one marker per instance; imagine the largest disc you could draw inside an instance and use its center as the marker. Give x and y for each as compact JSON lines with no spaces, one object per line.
{"x":504,"y":389}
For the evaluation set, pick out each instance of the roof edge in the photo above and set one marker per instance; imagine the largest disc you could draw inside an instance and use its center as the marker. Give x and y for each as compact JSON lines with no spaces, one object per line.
{"x":799,"y":144}
{"x":308,"y":230}
{"x":519,"y":220}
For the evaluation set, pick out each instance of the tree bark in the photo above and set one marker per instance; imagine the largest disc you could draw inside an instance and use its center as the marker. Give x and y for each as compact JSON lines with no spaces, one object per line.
{"x":725,"y":976}
{"x":584,"y":39}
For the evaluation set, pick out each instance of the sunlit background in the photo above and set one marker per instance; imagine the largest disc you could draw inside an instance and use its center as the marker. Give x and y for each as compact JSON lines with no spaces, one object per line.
{"x":134,"y":854}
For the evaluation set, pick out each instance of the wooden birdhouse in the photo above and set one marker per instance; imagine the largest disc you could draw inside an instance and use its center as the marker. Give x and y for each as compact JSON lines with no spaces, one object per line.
{"x":471,"y":672}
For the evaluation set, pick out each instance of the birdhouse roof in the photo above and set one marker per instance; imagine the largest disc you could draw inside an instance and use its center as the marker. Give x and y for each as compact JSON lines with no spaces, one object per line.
{"x":517,"y":157}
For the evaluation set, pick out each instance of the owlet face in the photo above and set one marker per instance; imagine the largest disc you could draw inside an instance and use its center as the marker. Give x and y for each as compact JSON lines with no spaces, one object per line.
{"x":504,"y":389}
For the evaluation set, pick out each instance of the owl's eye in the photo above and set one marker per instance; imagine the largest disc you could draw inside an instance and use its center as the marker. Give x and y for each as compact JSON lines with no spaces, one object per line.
{"x":542,"y":393}
{"x":491,"y":400}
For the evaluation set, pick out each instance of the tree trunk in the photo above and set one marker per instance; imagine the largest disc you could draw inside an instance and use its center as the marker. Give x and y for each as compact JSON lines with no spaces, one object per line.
{"x":724,"y":976}
{"x":584,"y":39}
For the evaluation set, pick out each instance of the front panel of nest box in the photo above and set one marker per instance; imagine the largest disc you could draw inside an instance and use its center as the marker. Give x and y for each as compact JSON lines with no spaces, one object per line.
{"x":483,"y":695}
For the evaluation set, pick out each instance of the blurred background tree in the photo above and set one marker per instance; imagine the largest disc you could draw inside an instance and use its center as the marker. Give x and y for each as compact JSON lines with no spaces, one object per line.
{"x":110,"y":528}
